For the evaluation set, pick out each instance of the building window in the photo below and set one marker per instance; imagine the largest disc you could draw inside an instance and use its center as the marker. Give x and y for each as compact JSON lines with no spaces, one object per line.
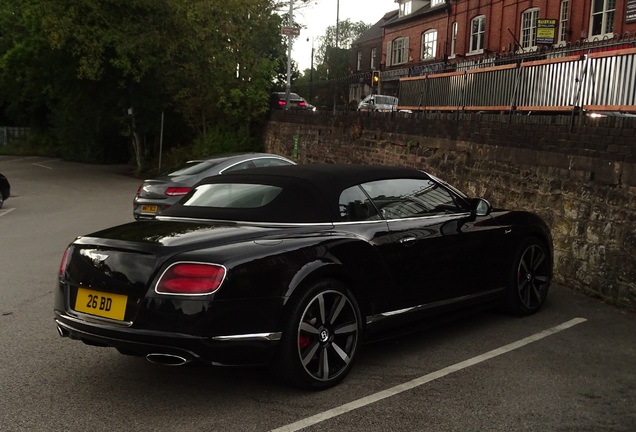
{"x":529,"y":28}
{"x":359,"y":61}
{"x":477,"y":32}
{"x":429,"y":45}
{"x":398,"y":51}
{"x":453,"y":49}
{"x":437,"y":2}
{"x":406,"y":7}
{"x":563,"y":21}
{"x":602,"y":21}
{"x":373,"y":54}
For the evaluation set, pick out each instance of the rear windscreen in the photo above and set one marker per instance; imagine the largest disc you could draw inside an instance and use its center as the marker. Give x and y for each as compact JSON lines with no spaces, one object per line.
{"x":194,"y":167}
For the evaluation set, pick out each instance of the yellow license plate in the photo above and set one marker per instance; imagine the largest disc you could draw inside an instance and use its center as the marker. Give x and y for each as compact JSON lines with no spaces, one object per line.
{"x":107,"y":305}
{"x":149,"y":209}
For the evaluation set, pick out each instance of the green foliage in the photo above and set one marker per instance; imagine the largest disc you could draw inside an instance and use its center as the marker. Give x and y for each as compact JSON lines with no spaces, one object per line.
{"x":218,"y":140}
{"x":96,"y":75}
{"x":36,"y":144}
{"x":221,"y":140}
{"x":337,"y":62}
{"x":303,"y":84}
{"x":348,"y":32}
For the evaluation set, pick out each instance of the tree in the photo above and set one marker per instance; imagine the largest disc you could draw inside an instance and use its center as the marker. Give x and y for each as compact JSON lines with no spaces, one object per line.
{"x":225,"y":62}
{"x":348,"y":32}
{"x":91,"y":69}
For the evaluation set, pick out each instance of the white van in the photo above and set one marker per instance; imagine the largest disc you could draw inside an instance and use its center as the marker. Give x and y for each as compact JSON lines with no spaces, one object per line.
{"x":376,"y":102}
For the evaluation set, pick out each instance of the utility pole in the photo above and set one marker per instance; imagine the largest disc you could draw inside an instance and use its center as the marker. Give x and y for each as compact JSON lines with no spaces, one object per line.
{"x":335,"y":92}
{"x":289,"y":53}
{"x":337,"y":21}
{"x":311,"y":71}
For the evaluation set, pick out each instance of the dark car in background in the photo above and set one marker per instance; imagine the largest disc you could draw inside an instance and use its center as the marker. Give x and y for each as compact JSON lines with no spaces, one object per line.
{"x":157,"y":194}
{"x":294,"y":266}
{"x":5,"y":190}
{"x":278,"y":101}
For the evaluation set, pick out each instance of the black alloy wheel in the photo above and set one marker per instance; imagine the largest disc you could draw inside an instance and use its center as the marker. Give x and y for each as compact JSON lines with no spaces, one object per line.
{"x":530,"y":281}
{"x":321,"y":337}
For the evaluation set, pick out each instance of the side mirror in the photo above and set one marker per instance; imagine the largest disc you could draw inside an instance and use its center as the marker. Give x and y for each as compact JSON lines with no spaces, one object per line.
{"x":481,"y":207}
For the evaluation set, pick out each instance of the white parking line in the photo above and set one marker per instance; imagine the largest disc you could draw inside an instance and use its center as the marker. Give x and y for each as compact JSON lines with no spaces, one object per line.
{"x":334,"y":412}
{"x":41,"y":166}
{"x":5,"y":211}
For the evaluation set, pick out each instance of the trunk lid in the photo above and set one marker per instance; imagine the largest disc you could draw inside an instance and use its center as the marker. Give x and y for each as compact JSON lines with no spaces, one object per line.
{"x":118,"y":264}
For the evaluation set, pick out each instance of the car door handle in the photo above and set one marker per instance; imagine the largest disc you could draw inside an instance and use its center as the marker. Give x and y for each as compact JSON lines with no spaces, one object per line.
{"x":407,"y":241}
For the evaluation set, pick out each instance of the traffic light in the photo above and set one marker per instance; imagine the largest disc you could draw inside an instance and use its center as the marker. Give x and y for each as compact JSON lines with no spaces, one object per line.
{"x":375,"y":78}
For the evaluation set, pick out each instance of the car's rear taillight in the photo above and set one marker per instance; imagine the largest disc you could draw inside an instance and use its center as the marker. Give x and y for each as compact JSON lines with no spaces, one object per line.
{"x":139,"y":190}
{"x":64,"y":262}
{"x":191,"y":279}
{"x":176,"y":191}
{"x":302,"y":104}
{"x":281,"y":103}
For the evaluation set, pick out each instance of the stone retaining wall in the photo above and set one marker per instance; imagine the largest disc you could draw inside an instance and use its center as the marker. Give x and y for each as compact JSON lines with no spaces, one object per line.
{"x":579,"y":174}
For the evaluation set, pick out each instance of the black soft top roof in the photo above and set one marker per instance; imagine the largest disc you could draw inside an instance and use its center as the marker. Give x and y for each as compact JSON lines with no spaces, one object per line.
{"x":310,"y":193}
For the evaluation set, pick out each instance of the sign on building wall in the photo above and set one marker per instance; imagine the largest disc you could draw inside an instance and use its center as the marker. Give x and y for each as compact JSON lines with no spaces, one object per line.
{"x":546,"y":31}
{"x":630,"y":14}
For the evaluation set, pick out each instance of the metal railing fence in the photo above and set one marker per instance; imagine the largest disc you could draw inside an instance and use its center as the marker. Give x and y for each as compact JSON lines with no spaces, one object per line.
{"x":9,"y":134}
{"x":594,"y":76}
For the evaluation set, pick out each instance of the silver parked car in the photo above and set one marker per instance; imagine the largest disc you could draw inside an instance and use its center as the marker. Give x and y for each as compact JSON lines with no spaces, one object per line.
{"x":381,"y":103}
{"x":157,"y":194}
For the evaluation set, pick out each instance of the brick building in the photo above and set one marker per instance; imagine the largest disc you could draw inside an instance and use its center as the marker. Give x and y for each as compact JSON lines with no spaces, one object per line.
{"x":426,"y":36}
{"x":367,"y":56}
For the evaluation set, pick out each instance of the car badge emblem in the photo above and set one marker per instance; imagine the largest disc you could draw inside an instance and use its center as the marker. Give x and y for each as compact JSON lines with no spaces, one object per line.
{"x":96,"y":257}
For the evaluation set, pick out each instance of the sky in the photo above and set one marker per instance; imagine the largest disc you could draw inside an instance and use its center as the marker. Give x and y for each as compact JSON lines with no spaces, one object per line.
{"x":322,"y":13}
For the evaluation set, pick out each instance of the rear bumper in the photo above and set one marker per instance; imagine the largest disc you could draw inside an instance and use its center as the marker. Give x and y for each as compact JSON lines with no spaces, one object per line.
{"x":139,"y":213}
{"x":143,"y":207}
{"x":229,"y":350}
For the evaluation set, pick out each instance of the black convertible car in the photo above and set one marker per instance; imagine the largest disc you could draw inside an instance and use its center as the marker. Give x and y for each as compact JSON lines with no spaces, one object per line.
{"x":295,"y":266}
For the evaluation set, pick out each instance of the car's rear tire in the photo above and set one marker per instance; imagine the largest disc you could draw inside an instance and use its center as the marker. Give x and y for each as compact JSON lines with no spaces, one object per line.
{"x":529,"y":278}
{"x":1,"y":200}
{"x":321,"y":336}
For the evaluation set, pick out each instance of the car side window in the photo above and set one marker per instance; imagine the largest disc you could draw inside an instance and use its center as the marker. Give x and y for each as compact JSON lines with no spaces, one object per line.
{"x":355,"y":206}
{"x":268,"y":162}
{"x":408,"y":198}
{"x":241,"y":166}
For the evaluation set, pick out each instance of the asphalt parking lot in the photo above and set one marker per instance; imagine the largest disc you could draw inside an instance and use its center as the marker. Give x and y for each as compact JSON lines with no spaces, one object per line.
{"x":571,"y":367}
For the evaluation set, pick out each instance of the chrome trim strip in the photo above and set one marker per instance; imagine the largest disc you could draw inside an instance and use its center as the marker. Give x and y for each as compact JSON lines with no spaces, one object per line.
{"x":440,"y":215}
{"x":312,"y":224}
{"x":81,"y":318}
{"x":384,"y":221}
{"x":252,"y":337}
{"x":257,"y":157}
{"x":384,"y":315}
{"x":327,"y":225}
{"x":249,"y":337}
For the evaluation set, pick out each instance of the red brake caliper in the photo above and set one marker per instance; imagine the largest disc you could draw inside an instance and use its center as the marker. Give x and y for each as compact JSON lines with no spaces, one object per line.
{"x":303,"y":341}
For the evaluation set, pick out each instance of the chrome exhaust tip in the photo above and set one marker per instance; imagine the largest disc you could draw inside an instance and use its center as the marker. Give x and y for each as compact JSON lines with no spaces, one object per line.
{"x":62,"y":332}
{"x":167,"y":359}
